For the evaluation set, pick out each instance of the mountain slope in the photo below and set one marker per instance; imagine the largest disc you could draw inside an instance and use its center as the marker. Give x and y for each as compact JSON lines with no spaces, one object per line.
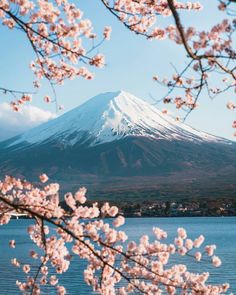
{"x":118,"y":140}
{"x":112,"y":116}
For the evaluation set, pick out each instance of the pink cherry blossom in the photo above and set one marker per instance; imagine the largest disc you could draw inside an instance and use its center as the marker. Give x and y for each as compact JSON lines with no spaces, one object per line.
{"x":111,"y":257}
{"x":182,"y":233}
{"x":47,"y":99}
{"x":198,"y":256}
{"x":119,"y":221}
{"x":12,"y":243}
{"x":216,"y":261}
{"x":26,"y":268}
{"x":210,"y":249}
{"x":15,"y":262}
{"x":231,"y":105}
{"x":43,"y":178}
{"x":80,"y":195}
{"x":113,"y":211}
{"x":107,"y":33}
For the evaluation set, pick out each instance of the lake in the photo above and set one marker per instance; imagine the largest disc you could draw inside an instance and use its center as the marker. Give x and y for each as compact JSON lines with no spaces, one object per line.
{"x":220,"y":231}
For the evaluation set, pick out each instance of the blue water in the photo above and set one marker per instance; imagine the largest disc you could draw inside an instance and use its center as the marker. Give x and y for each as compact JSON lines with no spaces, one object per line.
{"x":219,"y":231}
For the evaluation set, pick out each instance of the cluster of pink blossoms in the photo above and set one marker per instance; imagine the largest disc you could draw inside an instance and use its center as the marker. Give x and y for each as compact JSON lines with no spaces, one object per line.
{"x":115,"y":265}
{"x":211,"y":52}
{"x":21,"y":101}
{"x":231,"y":106}
{"x":56,"y":31}
{"x":141,"y":16}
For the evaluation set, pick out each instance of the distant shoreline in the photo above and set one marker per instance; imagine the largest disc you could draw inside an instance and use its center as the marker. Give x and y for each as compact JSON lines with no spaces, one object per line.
{"x":144,"y":217}
{"x":224,"y":207}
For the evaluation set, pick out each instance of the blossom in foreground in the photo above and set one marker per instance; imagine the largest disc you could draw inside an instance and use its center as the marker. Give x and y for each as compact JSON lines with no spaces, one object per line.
{"x":43,"y":178}
{"x":142,"y":266}
{"x":12,"y":243}
{"x":231,"y":105}
{"x":107,"y":32}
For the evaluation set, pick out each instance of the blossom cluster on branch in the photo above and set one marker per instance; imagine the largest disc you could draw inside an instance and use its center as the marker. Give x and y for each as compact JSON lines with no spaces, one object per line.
{"x":57,"y":33}
{"x":115,"y":265}
{"x":211,"y":53}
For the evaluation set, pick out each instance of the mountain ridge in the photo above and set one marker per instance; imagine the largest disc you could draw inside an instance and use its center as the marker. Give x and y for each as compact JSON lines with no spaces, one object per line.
{"x":112,"y":116}
{"x":121,"y":141}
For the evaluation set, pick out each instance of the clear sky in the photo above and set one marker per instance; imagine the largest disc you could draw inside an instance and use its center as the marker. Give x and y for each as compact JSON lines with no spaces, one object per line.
{"x":131,"y":62}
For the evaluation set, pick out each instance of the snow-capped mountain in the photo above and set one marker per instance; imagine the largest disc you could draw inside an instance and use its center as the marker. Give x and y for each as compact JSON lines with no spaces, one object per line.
{"x":118,"y":141}
{"x":109,"y":117}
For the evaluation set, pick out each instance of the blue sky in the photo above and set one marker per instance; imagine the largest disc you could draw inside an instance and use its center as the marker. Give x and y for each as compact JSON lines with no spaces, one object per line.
{"x":131,"y":63}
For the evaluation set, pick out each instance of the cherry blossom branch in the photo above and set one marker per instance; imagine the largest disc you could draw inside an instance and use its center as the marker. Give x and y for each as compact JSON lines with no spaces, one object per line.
{"x":7,"y":90}
{"x":142,"y":265}
{"x":211,"y":53}
{"x":20,"y":208}
{"x":55,"y":31}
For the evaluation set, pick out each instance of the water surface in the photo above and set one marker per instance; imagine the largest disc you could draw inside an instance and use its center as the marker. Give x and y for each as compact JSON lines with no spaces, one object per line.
{"x":220,"y":231}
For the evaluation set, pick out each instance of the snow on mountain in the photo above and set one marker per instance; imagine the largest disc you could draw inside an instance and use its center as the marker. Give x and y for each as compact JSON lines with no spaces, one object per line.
{"x":111,"y":116}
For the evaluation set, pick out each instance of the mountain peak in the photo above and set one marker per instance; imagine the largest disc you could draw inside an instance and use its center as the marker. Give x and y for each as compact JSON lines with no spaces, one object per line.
{"x":103,"y":99}
{"x":111,"y":116}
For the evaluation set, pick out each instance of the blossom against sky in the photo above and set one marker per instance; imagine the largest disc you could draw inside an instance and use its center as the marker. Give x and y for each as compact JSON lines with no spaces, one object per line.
{"x":131,"y":61}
